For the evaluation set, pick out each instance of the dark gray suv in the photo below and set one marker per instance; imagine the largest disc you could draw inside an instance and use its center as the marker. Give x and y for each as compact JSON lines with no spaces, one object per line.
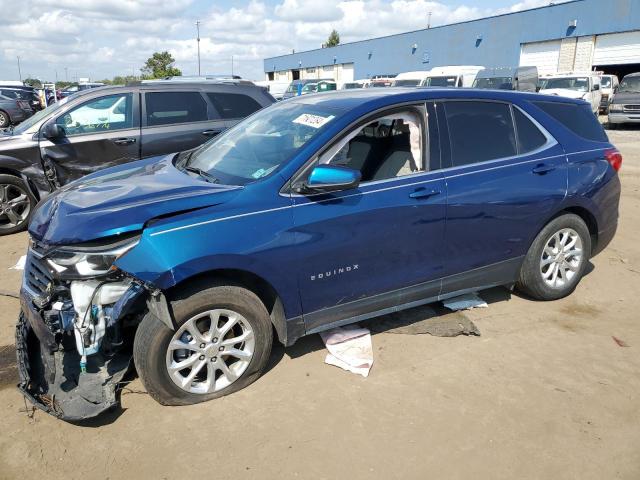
{"x":107,"y":126}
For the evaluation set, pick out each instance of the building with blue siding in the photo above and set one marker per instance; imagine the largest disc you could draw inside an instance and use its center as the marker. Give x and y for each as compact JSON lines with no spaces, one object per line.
{"x":574,"y":36}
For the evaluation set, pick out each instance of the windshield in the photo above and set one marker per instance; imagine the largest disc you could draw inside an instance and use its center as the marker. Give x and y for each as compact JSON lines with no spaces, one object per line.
{"x":42,"y":114}
{"x":409,"y":82}
{"x":310,"y":87}
{"x":449,"y":81}
{"x":496,"y":83}
{"x":605,"y":82}
{"x":580,"y":84}
{"x":630,"y":84}
{"x":258,"y":145}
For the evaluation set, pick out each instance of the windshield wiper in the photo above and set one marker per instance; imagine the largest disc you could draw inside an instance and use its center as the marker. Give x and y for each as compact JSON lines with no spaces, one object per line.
{"x":203,"y":173}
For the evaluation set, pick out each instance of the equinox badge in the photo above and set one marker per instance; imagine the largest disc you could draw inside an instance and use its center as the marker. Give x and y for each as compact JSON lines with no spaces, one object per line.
{"x":336,"y":271}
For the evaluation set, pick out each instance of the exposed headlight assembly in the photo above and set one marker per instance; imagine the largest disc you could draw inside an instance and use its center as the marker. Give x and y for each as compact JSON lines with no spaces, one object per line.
{"x":88,"y":261}
{"x":616,"y":107}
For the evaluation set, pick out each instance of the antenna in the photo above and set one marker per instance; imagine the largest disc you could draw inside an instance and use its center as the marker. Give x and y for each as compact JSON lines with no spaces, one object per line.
{"x":429,"y":20}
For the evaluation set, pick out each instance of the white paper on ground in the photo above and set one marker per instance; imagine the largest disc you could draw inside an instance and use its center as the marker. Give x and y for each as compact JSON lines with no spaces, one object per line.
{"x":465,"y":302}
{"x":20,"y":264}
{"x":349,"y":348}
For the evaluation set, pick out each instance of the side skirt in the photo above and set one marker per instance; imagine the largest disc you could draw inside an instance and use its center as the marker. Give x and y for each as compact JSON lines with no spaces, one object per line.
{"x":497,"y":274}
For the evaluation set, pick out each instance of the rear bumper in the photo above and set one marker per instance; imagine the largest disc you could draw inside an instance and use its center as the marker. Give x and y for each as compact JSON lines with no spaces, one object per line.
{"x":618,"y":118}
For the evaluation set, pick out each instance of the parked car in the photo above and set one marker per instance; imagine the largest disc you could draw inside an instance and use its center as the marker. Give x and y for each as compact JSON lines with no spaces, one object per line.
{"x":410,"y":79}
{"x":378,"y":81}
{"x":276,"y":88}
{"x":524,"y":79}
{"x":625,"y":106}
{"x":296,"y":87}
{"x":305,"y":216}
{"x":102,"y":127}
{"x":13,"y":111}
{"x":608,"y":87}
{"x":23,"y":93}
{"x":452,"y":76}
{"x":364,"y":83}
{"x":580,"y":86}
{"x":80,"y":87}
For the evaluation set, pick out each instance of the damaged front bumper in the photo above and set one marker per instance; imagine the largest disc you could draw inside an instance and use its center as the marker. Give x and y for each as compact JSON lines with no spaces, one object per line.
{"x":54,"y":375}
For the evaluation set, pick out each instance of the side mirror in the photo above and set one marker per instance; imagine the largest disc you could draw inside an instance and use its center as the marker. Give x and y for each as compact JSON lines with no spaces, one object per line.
{"x":596,"y":87}
{"x":331,"y":178}
{"x":52,"y":130}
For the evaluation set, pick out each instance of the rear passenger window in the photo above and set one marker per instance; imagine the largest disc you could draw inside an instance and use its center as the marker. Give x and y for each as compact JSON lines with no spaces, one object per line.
{"x":166,"y":108}
{"x":233,"y":105}
{"x":479,"y":131}
{"x":530,"y":137}
{"x":577,"y":118}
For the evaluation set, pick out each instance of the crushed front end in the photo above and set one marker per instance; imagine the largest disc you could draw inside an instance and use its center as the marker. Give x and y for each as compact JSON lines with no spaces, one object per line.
{"x":75,"y":331}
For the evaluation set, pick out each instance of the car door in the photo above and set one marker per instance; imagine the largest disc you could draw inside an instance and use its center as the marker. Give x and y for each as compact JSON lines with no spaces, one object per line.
{"x":177,"y":120}
{"x":379,"y":245}
{"x":505,"y":177}
{"x":95,"y":133}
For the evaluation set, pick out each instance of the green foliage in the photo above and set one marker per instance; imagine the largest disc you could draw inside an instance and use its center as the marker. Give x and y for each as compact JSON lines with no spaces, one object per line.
{"x":333,"y":40}
{"x":33,"y":82}
{"x":160,"y":65}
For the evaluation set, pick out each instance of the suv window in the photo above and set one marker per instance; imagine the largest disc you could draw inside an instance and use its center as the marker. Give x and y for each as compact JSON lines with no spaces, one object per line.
{"x":167,"y":108}
{"x":479,"y":131}
{"x":113,"y":112}
{"x":530,"y":137}
{"x":577,"y":118}
{"x":233,"y":105}
{"x":388,"y":147}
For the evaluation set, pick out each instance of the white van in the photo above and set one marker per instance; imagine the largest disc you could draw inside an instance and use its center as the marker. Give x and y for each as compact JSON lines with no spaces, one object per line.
{"x":410,"y":79}
{"x":585,"y":86}
{"x":275,"y":87}
{"x":608,"y":86}
{"x":452,"y":76}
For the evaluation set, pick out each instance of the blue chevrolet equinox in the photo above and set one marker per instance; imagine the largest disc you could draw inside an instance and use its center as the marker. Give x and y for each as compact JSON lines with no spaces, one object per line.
{"x":320,"y":211}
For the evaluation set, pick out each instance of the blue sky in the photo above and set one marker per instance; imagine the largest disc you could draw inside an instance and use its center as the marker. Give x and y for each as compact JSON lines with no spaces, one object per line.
{"x":102,"y":38}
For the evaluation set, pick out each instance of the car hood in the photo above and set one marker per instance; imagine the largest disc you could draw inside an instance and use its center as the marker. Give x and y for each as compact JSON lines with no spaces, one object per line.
{"x":563,"y":92}
{"x":627,"y":97}
{"x":120,"y":200}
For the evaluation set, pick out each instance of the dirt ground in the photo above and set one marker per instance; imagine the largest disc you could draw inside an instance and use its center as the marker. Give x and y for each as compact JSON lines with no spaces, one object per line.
{"x":545,"y":392}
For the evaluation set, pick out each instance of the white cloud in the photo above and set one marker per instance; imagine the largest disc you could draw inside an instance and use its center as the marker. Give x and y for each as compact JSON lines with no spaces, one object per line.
{"x":103,"y":38}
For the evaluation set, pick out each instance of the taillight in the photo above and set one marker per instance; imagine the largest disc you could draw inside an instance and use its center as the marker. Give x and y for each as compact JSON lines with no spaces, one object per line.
{"x":614,"y":157}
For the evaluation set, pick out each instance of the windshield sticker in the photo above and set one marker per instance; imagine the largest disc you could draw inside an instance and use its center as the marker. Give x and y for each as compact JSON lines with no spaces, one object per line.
{"x":313,"y":121}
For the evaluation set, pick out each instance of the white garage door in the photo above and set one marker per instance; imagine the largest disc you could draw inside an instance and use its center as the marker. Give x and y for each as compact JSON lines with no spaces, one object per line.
{"x":544,"y":55}
{"x":617,"y":48}
{"x":345,"y":73}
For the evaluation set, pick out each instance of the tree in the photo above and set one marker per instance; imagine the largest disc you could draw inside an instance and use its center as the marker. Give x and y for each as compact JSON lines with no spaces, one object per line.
{"x":160,"y":65}
{"x":334,"y":39}
{"x":33,"y":82}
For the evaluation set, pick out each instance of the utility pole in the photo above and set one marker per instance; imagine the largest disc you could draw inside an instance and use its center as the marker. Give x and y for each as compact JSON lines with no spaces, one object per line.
{"x":429,"y":21}
{"x":231,"y":66}
{"x":198,"y":38}
{"x":19,"y":71}
{"x":66,"y":74}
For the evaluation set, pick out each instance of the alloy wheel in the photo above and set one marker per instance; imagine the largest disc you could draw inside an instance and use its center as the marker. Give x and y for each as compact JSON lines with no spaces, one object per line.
{"x":15,"y":206}
{"x":561,"y":258}
{"x":210,"y":351}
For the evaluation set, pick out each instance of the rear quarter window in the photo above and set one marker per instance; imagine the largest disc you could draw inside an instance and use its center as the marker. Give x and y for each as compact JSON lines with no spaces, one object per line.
{"x":577,"y":118}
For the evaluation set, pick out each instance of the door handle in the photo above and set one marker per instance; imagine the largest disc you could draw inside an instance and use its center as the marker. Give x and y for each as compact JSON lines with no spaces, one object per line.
{"x":210,"y":133}
{"x":424,"y":193}
{"x":543,"y":168}
{"x":124,"y":141}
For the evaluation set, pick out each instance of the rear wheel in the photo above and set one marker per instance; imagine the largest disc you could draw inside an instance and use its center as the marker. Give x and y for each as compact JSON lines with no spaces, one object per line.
{"x":5,"y":121}
{"x":557,"y":259}
{"x":16,"y":204}
{"x":221,"y":344}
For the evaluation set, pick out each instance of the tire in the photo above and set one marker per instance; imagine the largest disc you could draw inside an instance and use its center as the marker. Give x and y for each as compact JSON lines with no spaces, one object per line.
{"x":153,"y":355}
{"x":544,"y":255}
{"x":612,"y":126}
{"x":16,"y":204}
{"x":5,"y":120}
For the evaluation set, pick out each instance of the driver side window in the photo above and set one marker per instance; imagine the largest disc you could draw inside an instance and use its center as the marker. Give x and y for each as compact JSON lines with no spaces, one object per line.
{"x":112,"y":112}
{"x":388,"y":147}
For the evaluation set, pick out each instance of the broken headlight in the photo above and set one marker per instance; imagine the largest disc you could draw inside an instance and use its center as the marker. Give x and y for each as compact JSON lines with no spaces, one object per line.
{"x":88,"y":261}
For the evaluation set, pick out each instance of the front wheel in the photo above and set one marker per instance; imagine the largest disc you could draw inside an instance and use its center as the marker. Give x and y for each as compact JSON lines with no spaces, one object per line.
{"x":221,"y":344}
{"x":5,"y":121}
{"x":557,"y":259}
{"x":16,"y":204}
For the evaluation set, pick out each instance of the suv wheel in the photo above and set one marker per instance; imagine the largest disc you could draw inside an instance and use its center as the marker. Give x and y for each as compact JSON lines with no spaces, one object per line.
{"x":221,"y":344}
{"x":557,"y":259}
{"x":5,"y":121}
{"x":16,"y":204}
